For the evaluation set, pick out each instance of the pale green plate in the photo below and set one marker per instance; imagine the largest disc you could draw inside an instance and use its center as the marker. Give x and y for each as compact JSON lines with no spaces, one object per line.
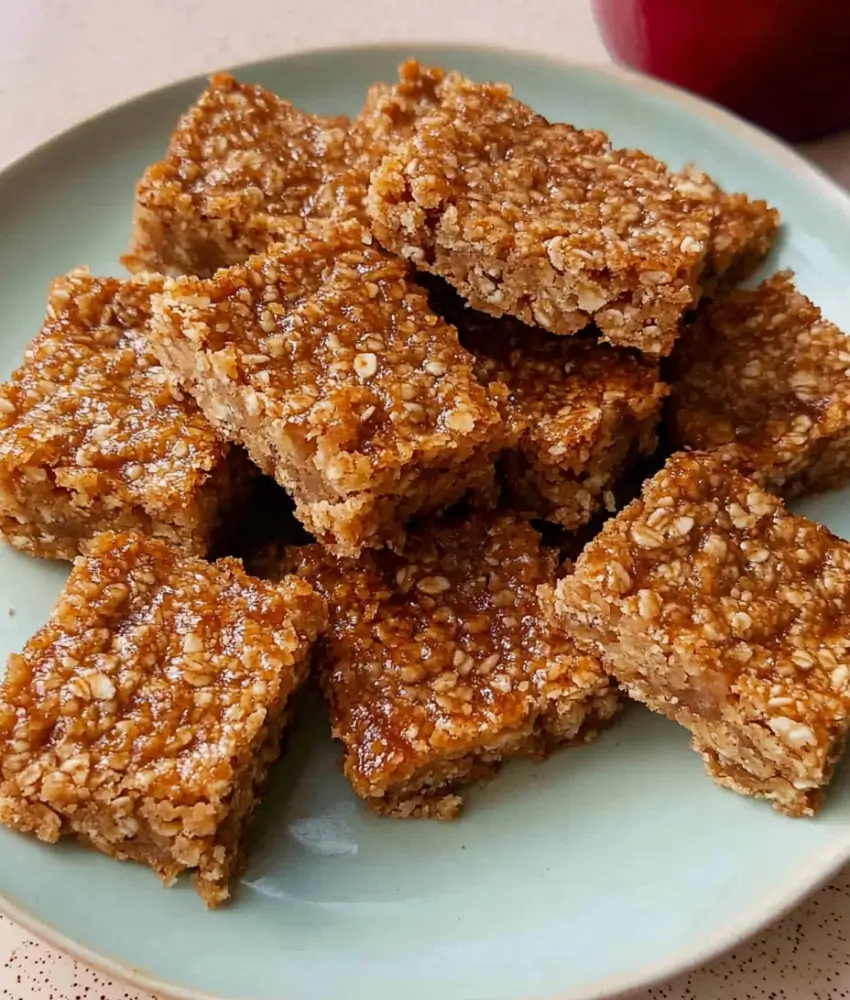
{"x":604,"y":868}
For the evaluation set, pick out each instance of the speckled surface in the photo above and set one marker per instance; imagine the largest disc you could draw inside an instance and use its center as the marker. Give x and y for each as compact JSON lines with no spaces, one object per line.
{"x":63,"y":60}
{"x":804,"y":957}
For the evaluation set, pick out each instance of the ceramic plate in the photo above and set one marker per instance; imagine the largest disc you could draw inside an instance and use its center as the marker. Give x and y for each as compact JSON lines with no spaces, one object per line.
{"x":602,"y":869}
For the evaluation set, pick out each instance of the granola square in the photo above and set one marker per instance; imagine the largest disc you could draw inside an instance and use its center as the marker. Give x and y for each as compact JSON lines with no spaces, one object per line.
{"x":391,"y":110}
{"x":438,"y":663}
{"x":742,"y":234}
{"x":578,"y":414}
{"x":243,"y":169}
{"x":713,"y":605}
{"x":324,"y":360}
{"x":143,"y":717}
{"x":546,"y":222}
{"x":94,"y":433}
{"x":762,"y":376}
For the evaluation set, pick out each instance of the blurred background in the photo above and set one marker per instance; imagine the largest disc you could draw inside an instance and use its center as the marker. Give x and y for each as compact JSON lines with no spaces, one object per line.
{"x":784,"y":63}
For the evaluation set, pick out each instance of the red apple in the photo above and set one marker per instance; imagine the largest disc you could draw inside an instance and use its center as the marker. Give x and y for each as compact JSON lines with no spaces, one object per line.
{"x":784,"y":64}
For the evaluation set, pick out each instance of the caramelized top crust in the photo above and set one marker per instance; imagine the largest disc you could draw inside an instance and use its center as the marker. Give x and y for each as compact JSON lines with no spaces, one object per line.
{"x":151,"y":678}
{"x":331,"y":339}
{"x":392,"y":110}
{"x":763,"y":372}
{"x":742,"y":233}
{"x":750,"y":602}
{"x":564,"y":394}
{"x":442,"y":649}
{"x":243,"y":169}
{"x":487,"y":171}
{"x":92,"y":408}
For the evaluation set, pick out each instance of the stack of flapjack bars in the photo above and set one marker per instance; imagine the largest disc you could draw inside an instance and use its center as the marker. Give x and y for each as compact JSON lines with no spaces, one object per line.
{"x":453,"y":333}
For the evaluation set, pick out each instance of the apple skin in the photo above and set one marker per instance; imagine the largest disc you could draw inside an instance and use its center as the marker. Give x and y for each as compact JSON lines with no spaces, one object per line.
{"x":784,"y":64}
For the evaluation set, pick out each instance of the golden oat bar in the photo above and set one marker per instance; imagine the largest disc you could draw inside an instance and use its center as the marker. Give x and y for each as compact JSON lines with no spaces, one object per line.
{"x":742,"y":234}
{"x":578,"y":414}
{"x":143,"y":717}
{"x":391,"y":111}
{"x":762,"y":376}
{"x":545,"y":222}
{"x":325,"y":361}
{"x":713,"y":605}
{"x":742,"y":230}
{"x":438,"y":663}
{"x":243,"y":169}
{"x":94,"y":434}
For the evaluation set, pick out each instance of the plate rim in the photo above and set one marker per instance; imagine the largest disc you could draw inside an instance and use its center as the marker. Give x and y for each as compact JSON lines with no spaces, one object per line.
{"x":809,"y":876}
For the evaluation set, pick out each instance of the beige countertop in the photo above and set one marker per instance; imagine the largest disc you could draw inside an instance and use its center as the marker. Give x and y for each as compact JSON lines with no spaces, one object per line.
{"x":64,"y":60}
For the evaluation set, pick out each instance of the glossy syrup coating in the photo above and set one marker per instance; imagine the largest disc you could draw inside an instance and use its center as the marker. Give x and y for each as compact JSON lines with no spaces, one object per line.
{"x":551,"y":223}
{"x":742,"y":233}
{"x":764,"y":377}
{"x":391,"y":110}
{"x":243,"y":168}
{"x":94,"y":433}
{"x":546,"y":222}
{"x":143,"y":716}
{"x":715,"y":606}
{"x":326,"y":362}
{"x":578,"y":413}
{"x":438,"y":663}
